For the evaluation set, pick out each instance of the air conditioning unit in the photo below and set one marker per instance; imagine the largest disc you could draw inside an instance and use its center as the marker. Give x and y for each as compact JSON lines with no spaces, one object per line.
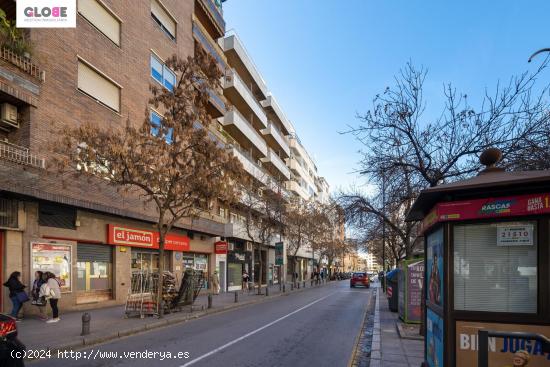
{"x":230,"y":246}
{"x":249,"y":246}
{"x":9,"y":115}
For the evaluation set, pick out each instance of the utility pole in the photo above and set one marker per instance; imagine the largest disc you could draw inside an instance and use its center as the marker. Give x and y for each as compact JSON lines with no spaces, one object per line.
{"x":384,"y":231}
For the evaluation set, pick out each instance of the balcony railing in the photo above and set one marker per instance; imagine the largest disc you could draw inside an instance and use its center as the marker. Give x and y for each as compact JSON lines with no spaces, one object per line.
{"x":248,"y":130}
{"x":22,"y":63}
{"x":232,"y":76}
{"x":20,"y":155}
{"x":211,"y":47}
{"x":215,"y":13}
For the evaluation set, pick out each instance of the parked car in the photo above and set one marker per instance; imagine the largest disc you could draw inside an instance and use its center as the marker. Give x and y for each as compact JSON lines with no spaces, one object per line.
{"x":11,"y":349}
{"x":359,"y":279}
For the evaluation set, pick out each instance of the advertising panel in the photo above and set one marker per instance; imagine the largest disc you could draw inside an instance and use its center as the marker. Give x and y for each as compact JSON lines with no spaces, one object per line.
{"x":503,"y":352}
{"x":415,"y":278}
{"x":488,"y":208}
{"x":434,"y":339}
{"x":120,"y":235}
{"x":279,"y":253}
{"x":55,"y":258}
{"x":434,"y":269}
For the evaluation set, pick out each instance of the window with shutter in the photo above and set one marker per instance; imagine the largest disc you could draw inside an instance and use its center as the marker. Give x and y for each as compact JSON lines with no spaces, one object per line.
{"x":101,"y":18}
{"x":97,"y":86}
{"x":492,"y":277}
{"x":53,"y":215}
{"x":163,"y":19}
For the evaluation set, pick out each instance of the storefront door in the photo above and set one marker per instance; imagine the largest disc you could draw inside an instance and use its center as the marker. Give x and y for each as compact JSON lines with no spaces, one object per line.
{"x":94,"y":270}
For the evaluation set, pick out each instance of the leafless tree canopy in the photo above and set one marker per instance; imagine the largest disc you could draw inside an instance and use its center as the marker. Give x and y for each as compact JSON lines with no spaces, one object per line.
{"x":409,"y":152}
{"x":174,"y":163}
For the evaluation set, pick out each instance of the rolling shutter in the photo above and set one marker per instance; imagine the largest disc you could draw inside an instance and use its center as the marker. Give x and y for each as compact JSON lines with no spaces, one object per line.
{"x":158,"y":11}
{"x":101,"y":18}
{"x":91,"y":252}
{"x":53,"y":215}
{"x":97,"y":86}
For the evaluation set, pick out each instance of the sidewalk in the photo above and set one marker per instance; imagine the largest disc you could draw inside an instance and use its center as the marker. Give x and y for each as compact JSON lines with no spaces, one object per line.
{"x":110,"y":323}
{"x":388,"y":348}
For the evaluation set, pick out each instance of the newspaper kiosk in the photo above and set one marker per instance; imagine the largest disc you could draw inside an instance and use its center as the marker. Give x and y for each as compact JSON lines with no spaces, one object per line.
{"x":487,"y":268}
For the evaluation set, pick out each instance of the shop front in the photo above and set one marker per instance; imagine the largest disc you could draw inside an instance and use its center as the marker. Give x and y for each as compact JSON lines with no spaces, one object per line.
{"x":220,"y":251}
{"x":487,"y":254}
{"x":238,"y":262}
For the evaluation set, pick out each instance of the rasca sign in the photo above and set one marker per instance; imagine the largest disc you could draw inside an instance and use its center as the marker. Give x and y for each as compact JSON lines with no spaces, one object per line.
{"x":46,"y":13}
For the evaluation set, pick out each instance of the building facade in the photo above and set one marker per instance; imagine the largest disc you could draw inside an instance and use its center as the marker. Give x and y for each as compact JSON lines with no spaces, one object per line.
{"x":89,"y":234}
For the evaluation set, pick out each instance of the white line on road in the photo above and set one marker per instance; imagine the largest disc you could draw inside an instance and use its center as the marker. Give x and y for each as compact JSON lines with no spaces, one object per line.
{"x":253,"y":332}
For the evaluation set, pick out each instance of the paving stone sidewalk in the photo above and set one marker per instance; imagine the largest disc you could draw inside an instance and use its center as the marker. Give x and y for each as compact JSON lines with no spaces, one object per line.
{"x":388,"y":348}
{"x":109,"y":323}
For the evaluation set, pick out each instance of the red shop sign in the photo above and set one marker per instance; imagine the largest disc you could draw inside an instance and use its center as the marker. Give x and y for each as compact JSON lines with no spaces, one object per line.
{"x":510,"y":206}
{"x":220,"y":247}
{"x":124,"y":236}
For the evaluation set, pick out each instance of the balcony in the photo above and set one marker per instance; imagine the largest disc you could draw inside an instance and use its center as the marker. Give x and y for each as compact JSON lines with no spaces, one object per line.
{"x":202,"y":37}
{"x":217,"y":102}
{"x":271,"y":102}
{"x":250,"y":166}
{"x":293,"y":186}
{"x":277,"y":162}
{"x":237,"y":90}
{"x":242,"y":131}
{"x":239,"y":58}
{"x":300,"y":170}
{"x":22,"y":63}
{"x":20,"y":155}
{"x":276,"y":139}
{"x":215,"y":15}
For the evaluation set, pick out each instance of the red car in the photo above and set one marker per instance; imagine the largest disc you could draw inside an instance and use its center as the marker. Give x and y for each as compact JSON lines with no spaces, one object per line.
{"x":359,"y":279}
{"x":11,"y":349}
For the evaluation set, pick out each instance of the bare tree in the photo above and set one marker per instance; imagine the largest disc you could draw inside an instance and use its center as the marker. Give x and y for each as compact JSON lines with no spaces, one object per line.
{"x":262,"y":208}
{"x":173,"y":162}
{"x":297,"y":224}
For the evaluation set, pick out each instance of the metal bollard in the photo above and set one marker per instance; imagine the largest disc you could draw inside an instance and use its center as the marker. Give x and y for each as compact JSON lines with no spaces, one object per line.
{"x":284,"y":288}
{"x":267,"y":291}
{"x":304,"y":284}
{"x":298,"y":285}
{"x":86,"y":317}
{"x":236,"y":296}
{"x":210,"y":300}
{"x":292,"y":286}
{"x":311,"y":283}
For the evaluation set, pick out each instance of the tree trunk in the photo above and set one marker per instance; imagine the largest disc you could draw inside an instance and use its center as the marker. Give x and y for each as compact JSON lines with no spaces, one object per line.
{"x":160,"y":301}
{"x":260,"y":273}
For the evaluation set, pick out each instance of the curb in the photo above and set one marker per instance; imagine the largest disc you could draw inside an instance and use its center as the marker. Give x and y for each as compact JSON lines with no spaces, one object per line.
{"x":354,"y":356}
{"x":84,"y":342}
{"x":376,"y":356}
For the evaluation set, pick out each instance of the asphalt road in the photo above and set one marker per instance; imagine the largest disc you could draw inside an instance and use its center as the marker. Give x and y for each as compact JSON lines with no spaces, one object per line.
{"x":315,"y":327}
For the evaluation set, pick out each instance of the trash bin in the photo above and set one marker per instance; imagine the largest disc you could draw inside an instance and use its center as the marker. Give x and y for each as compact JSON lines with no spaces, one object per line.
{"x":392,"y":292}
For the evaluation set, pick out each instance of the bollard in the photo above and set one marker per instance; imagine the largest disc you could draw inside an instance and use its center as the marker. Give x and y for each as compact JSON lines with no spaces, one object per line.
{"x":236,"y":296}
{"x":284,"y":288}
{"x":210,"y":300}
{"x":86,"y":323}
{"x":292,"y":286}
{"x":311,"y":284}
{"x":304,"y":284}
{"x":267,"y":291}
{"x":298,"y":285}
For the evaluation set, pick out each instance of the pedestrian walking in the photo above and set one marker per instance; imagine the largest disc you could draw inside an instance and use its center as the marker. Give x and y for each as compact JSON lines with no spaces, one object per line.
{"x":17,"y":293}
{"x":246,"y":279}
{"x":37,"y":300}
{"x":53,"y":289}
{"x":216,"y":282}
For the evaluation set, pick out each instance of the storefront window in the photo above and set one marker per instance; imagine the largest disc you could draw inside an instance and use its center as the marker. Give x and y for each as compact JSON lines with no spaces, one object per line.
{"x":496,"y":267}
{"x":55,"y":258}
{"x":94,"y":267}
{"x":234,"y":274}
{"x":147,"y":261}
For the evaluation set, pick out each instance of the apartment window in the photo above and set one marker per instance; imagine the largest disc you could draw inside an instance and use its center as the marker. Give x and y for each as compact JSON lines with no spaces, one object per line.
{"x":162,"y":73}
{"x":156,"y":120}
{"x":101,"y":18}
{"x":163,"y":18}
{"x":53,"y":215}
{"x":98,"y":86}
{"x":496,"y":267}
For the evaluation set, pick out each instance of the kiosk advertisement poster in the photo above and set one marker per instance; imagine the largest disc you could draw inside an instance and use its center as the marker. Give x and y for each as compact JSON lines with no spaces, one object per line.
{"x":434,"y":268}
{"x":434,"y":339}
{"x":415,"y":278}
{"x":502,"y":351}
{"x":55,"y":258}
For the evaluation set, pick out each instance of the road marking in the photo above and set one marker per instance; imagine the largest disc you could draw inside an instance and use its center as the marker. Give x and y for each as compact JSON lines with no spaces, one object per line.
{"x":253,"y":332}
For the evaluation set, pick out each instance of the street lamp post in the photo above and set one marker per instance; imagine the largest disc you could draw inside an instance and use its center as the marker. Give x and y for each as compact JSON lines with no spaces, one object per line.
{"x":538,"y":52}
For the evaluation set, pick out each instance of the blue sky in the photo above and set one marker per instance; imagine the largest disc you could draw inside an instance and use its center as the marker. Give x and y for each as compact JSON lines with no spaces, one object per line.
{"x":325,"y":60}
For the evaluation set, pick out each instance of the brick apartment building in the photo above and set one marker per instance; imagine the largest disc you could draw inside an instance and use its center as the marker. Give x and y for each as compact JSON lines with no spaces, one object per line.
{"x":89,"y":234}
